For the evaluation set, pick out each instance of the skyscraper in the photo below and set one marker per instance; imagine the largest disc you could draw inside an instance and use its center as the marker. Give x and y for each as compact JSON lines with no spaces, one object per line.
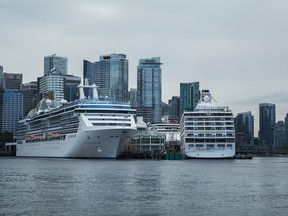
{"x":88,"y":72}
{"x":267,"y":121}
{"x":52,"y":82}
{"x":57,"y":63}
{"x":12,"y":81}
{"x":32,"y":86}
{"x":12,"y":109}
{"x":189,"y":96}
{"x":174,"y":109}
{"x":149,"y":89}
{"x":133,"y":97}
{"x":111,"y":76}
{"x":280,"y":135}
{"x":1,"y":74}
{"x":244,"y":128}
{"x":286,"y":130}
{"x":71,"y":91}
{"x":62,"y":86}
{"x":29,"y":100}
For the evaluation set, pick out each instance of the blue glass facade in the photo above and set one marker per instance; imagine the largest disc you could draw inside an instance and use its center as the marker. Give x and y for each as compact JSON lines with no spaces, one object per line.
{"x":71,"y":91}
{"x":56,"y":63}
{"x":12,"y":109}
{"x":280,"y":141}
{"x":244,"y":128}
{"x":189,"y":96}
{"x":267,"y":120}
{"x":149,"y":89}
{"x":133,"y":97}
{"x":174,"y":108}
{"x":110,"y":75}
{"x":88,"y":72}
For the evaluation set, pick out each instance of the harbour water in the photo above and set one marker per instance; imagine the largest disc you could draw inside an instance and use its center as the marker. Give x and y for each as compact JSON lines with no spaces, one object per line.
{"x":31,"y":186}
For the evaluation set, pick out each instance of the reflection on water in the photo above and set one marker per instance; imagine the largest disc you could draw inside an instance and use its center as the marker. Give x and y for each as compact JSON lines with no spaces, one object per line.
{"x":143,"y":187}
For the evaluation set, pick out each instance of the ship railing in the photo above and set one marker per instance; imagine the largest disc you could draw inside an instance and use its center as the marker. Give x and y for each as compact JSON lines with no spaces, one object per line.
{"x":94,"y":101}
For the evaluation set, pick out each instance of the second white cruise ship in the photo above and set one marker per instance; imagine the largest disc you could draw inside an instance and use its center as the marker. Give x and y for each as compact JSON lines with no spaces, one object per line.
{"x":208,"y":131}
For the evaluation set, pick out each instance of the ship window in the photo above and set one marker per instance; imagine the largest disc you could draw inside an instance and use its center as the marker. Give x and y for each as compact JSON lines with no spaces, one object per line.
{"x":191,"y":145}
{"x":199,"y":140}
{"x":221,"y":145}
{"x":199,"y":145}
{"x":187,"y":140}
{"x":229,"y":145}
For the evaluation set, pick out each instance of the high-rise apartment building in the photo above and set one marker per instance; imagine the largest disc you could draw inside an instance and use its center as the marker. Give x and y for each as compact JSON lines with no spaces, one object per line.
{"x":174,"y":109}
{"x":31,"y":86}
{"x":61,"y":86}
{"x":244,"y":128}
{"x":30,"y":96}
{"x":71,"y":91}
{"x":133,"y":97}
{"x":189,"y":96}
{"x":111,"y":76}
{"x":88,"y":72}
{"x":280,"y":141}
{"x":29,"y":100}
{"x":102,"y":75}
{"x":57,"y":63}
{"x":12,"y":81}
{"x":149,"y":89}
{"x":267,"y":120}
{"x":52,"y":82}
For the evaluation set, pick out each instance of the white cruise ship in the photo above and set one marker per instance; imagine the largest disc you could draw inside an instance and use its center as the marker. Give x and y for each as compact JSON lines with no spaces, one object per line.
{"x":86,"y":128}
{"x":208,"y":131}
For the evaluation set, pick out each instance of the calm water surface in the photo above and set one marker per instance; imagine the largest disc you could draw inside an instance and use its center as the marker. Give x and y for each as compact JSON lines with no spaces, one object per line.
{"x":143,"y":187}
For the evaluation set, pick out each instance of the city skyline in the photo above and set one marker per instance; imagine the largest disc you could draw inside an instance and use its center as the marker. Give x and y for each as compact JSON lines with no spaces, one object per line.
{"x":237,"y":49}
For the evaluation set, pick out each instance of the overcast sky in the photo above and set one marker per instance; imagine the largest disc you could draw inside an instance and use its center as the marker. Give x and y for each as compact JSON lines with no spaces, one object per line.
{"x":236,"y":48}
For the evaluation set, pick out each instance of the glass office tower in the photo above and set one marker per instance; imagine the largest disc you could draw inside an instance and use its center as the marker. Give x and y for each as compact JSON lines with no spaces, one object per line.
{"x":189,"y":96}
{"x":54,"y":62}
{"x":244,"y":128}
{"x":111,"y":77}
{"x":12,"y":109}
{"x":267,"y":120}
{"x":149,"y":89}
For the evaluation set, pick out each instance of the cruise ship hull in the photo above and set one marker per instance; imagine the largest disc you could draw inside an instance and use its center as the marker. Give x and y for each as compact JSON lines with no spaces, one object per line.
{"x":106,"y":143}
{"x":215,"y":154}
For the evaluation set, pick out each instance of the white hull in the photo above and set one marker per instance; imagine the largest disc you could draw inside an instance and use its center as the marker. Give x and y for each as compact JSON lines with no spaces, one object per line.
{"x":212,"y":154}
{"x":107,"y":143}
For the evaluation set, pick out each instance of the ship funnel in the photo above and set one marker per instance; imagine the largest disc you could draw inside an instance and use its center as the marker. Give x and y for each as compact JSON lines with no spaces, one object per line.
{"x":81,"y":92}
{"x":95,"y":93}
{"x":87,"y":86}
